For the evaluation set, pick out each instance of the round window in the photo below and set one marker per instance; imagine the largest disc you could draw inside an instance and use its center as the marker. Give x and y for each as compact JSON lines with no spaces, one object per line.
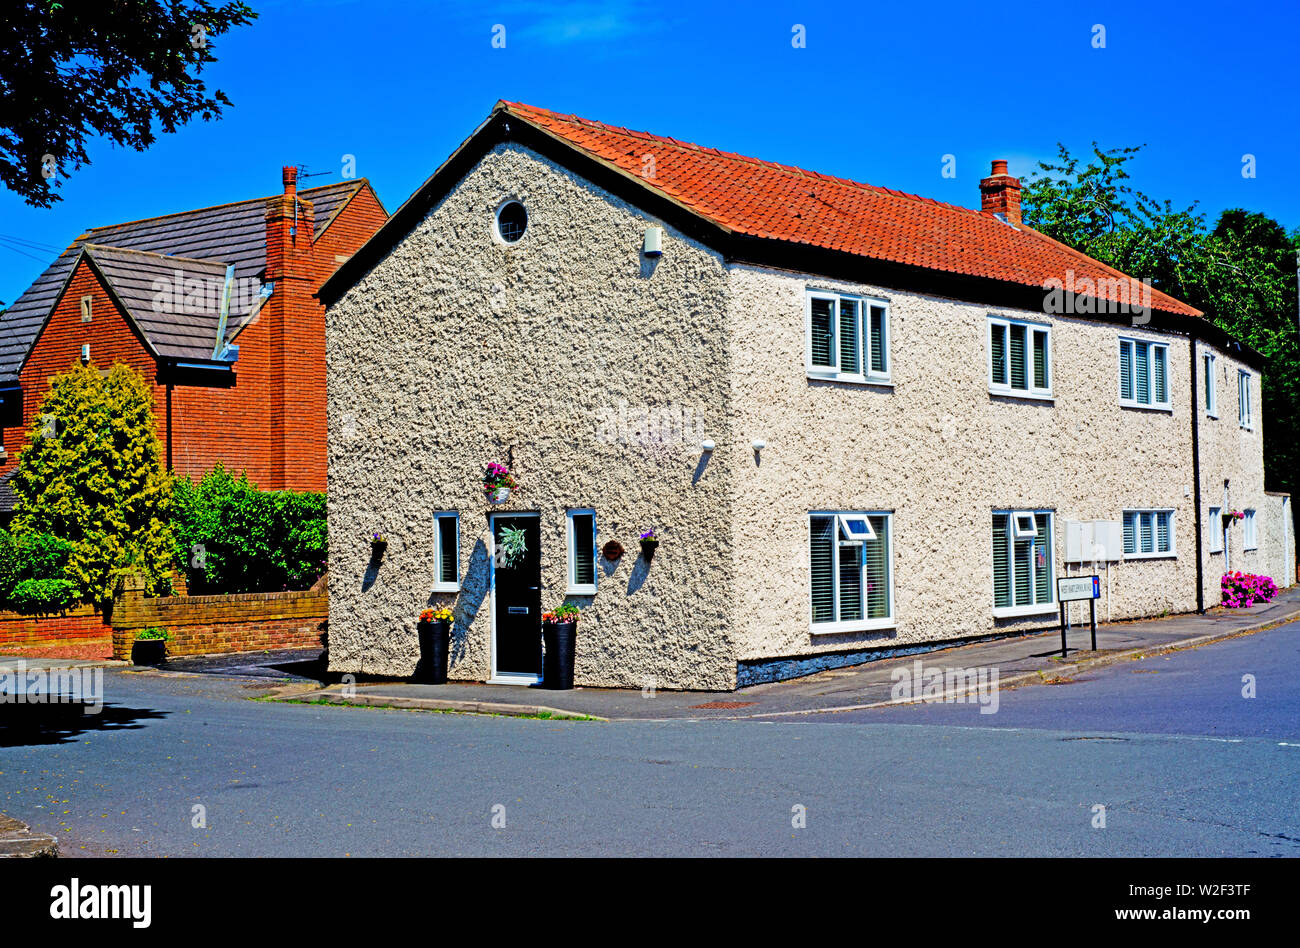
{"x":512,"y":221}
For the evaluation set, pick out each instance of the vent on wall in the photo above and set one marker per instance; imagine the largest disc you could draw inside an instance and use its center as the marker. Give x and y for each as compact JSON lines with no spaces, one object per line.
{"x":85,"y":353}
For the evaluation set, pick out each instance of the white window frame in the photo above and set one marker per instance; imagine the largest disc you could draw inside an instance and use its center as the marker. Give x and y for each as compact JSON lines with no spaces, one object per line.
{"x":1004,"y":388}
{"x":1216,"y":530}
{"x":438,"y":552}
{"x":1153,"y":405}
{"x":1171,"y":553}
{"x":1249,"y":531}
{"x":849,"y":530}
{"x":572,"y":587}
{"x":867,"y":375}
{"x":1018,"y":531}
{"x":853,"y":625}
{"x":1209,"y":360}
{"x":1245,"y":398}
{"x":1037,"y":608}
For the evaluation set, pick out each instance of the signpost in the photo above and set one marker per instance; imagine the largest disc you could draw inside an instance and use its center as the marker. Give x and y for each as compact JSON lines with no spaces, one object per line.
{"x":1074,"y":589}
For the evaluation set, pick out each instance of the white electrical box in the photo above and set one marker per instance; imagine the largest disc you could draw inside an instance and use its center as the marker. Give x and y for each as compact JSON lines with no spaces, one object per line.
{"x":1089,"y":541}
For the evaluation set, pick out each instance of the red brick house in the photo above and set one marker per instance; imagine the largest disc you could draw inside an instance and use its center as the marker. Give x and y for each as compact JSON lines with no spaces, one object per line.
{"x":216,"y":308}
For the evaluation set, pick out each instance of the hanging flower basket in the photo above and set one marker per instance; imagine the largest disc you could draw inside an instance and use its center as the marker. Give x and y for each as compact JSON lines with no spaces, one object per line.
{"x":378,"y":543}
{"x":498,"y":482}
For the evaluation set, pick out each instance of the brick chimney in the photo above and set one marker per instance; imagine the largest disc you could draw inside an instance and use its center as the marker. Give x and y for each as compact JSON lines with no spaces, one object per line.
{"x":1000,"y":193}
{"x":296,"y":343}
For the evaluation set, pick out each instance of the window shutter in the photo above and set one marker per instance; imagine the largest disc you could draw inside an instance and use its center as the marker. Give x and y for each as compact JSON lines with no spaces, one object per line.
{"x":849,"y":346}
{"x":879,"y":359}
{"x":877,"y":556}
{"x":1001,"y":562}
{"x":1018,"y":368}
{"x":1040,"y":359}
{"x":821,"y":569}
{"x":584,"y":550}
{"x":1159,"y":355}
{"x":1141,"y":370}
{"x":850,"y":581}
{"x":447,"y":565}
{"x":1043,"y":564}
{"x":1162,"y":532}
{"x":1130,"y":532}
{"x":1126,"y":370}
{"x":998,"y":353}
{"x":823,"y":332}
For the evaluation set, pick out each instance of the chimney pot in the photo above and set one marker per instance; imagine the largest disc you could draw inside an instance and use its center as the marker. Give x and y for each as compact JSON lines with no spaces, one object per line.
{"x":999,"y":166}
{"x":289,"y":174}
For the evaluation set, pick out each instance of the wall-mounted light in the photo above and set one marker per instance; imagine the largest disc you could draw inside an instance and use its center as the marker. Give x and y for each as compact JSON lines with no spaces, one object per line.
{"x":707,"y":446}
{"x":758,"y":444}
{"x":653,"y":245}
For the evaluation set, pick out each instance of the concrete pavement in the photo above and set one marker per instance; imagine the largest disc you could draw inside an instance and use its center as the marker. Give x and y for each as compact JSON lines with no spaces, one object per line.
{"x":1019,"y":661}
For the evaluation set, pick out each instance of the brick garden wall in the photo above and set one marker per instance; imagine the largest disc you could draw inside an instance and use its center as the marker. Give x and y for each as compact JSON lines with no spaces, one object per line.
{"x":203,"y":625}
{"x":77,"y":627}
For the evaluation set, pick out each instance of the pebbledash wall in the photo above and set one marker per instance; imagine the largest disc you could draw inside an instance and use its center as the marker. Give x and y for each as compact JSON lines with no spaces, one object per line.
{"x":455,"y":350}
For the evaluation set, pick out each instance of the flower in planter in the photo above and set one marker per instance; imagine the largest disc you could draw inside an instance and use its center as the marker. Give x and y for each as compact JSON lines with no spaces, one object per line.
{"x":649,"y":535}
{"x":498,"y":476}
{"x":567,"y":612}
{"x":1237,"y":515}
{"x":378,"y":539}
{"x":441,"y":614}
{"x":153,"y":634}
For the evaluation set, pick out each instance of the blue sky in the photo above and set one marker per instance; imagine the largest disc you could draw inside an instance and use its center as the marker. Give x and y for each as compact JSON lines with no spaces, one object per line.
{"x":880,"y":93}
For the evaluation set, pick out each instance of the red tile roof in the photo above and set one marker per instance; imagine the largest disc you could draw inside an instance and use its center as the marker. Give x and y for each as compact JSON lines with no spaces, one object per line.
{"x":764,"y":199}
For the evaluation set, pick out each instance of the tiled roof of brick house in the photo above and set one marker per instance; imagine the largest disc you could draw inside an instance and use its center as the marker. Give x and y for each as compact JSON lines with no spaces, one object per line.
{"x":208,"y":239}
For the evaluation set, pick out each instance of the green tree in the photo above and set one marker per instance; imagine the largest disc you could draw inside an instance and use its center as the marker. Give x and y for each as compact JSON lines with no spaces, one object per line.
{"x":92,"y":474}
{"x":1241,"y":273}
{"x":73,"y":71}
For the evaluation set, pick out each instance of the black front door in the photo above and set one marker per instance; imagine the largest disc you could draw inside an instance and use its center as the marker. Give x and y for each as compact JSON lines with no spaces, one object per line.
{"x":518,"y":599}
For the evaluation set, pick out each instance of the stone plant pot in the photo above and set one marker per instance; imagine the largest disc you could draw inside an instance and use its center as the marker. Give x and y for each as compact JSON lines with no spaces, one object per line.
{"x":498,"y":495}
{"x":561,"y":641}
{"x":648,"y":548}
{"x":149,"y":651}
{"x":435,"y":650}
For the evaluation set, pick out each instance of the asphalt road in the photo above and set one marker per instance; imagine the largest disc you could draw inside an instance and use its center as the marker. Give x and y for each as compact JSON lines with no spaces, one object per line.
{"x":1182,"y":763}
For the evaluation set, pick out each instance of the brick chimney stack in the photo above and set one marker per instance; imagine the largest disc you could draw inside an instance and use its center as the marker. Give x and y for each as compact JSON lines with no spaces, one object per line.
{"x":296,"y":342}
{"x":1000,"y":193}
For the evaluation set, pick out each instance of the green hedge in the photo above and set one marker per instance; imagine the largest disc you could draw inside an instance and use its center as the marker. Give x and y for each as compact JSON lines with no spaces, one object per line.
{"x":34,"y":557}
{"x":39,"y":596}
{"x":232,"y":537}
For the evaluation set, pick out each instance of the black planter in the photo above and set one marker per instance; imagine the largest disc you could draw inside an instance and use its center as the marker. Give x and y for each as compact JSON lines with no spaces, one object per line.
{"x":648,"y":548}
{"x":561,"y":640}
{"x":435,"y":648}
{"x":149,"y":651}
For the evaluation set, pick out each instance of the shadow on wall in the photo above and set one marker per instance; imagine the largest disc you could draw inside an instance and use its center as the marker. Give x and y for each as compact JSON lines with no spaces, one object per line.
{"x":372,"y":568}
{"x":472,"y":593}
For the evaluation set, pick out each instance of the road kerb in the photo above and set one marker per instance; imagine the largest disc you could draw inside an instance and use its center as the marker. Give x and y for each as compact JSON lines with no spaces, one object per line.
{"x":438,"y":704}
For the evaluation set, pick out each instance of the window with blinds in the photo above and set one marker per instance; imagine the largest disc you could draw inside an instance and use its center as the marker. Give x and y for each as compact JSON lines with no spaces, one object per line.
{"x":849,"y":571}
{"x":1022,"y":563}
{"x":1143,"y":374}
{"x":1244,"y":414}
{"x":1148,"y":533}
{"x":848,"y":338}
{"x":582,"y":552}
{"x":1249,"y":533}
{"x":1020,"y":358}
{"x":446,"y":557}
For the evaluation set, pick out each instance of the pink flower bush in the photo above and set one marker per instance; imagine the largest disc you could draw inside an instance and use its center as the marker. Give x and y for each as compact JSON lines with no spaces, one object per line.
{"x":1243,"y":590}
